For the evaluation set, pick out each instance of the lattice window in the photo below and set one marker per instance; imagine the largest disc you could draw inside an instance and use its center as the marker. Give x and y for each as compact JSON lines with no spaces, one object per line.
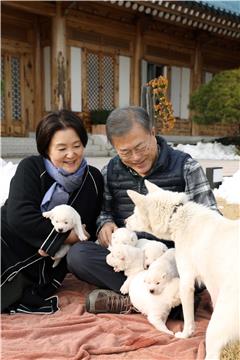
{"x":100,"y":81}
{"x":2,"y":114}
{"x":16,"y":88}
{"x":93,"y":81}
{"x":107,"y":83}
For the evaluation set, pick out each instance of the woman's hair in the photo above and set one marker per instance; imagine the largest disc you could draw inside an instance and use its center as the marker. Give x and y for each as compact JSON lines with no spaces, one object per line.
{"x":54,"y":121}
{"x":121,"y":121}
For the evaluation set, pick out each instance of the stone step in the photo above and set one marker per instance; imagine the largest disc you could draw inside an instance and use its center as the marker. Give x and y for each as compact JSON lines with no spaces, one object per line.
{"x":98,"y":146}
{"x":13,"y":147}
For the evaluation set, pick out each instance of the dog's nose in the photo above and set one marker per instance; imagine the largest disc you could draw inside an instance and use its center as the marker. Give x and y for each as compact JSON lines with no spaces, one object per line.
{"x":151,"y":291}
{"x":60,"y":230}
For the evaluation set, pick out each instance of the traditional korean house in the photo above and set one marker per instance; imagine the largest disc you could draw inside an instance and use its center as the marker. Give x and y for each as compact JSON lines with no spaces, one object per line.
{"x":94,"y":55}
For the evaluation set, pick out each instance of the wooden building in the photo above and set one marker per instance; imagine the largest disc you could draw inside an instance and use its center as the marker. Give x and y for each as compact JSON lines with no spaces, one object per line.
{"x":97,"y":54}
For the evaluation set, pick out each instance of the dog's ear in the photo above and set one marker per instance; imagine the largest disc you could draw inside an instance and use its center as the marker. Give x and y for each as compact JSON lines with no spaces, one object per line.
{"x":136,"y":197}
{"x":47,"y":214}
{"x":152,"y":187}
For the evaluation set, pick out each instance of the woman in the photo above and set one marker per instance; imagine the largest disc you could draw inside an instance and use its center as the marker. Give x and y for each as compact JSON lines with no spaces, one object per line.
{"x":59,"y":175}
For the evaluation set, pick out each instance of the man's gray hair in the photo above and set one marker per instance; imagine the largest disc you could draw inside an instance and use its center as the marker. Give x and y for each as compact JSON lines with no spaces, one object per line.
{"x":121,"y":121}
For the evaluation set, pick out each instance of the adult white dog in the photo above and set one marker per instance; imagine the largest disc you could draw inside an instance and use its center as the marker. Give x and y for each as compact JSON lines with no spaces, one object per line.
{"x":65,"y":218}
{"x":207,"y":249}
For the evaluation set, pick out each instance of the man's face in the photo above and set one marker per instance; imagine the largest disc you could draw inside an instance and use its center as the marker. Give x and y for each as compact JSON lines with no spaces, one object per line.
{"x":137,"y":149}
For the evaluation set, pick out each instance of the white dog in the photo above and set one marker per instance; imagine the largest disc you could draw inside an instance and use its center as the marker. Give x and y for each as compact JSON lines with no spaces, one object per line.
{"x":152,"y":250}
{"x":126,"y":258}
{"x":161,"y":272}
{"x":207,"y":250}
{"x":65,"y":218}
{"x":124,"y":236}
{"x":156,"y":306}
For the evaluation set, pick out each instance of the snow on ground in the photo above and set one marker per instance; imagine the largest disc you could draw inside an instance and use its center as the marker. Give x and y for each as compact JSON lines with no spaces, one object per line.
{"x":229,"y":190}
{"x":209,"y":151}
{"x":7,"y":170}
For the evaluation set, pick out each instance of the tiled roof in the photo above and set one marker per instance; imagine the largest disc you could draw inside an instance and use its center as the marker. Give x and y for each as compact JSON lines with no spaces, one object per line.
{"x":219,"y":17}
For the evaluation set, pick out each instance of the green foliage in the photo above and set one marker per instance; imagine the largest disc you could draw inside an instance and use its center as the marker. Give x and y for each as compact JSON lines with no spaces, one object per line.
{"x":218,"y":100}
{"x":99,"y":116}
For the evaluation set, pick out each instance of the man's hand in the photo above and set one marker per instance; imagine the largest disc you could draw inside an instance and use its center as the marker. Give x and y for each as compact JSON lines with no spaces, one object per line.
{"x":105,"y":234}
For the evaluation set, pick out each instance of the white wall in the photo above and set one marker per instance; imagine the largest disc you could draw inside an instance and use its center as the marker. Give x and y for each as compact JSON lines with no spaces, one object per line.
{"x":47,"y":77}
{"x":124,"y":80}
{"x":76,"y":79}
{"x":176,"y":90}
{"x":180,"y":91}
{"x":185,"y":93}
{"x":208,"y":77}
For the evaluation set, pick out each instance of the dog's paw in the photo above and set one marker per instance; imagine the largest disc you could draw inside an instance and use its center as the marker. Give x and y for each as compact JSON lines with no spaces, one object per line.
{"x":182,"y":335}
{"x":169,"y":332}
{"x":124,"y":289}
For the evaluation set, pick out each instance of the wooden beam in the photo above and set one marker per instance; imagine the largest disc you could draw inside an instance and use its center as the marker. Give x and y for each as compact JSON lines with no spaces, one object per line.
{"x":34,"y":7}
{"x":38,"y":76}
{"x":197,"y":77}
{"x":59,"y":60}
{"x":137,"y":56}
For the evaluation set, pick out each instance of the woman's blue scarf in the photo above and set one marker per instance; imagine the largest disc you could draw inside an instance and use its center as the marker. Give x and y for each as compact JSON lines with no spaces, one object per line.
{"x":64,"y":184}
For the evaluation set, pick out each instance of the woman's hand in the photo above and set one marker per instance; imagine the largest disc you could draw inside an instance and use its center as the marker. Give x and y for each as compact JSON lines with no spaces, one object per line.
{"x":72,"y":238}
{"x":85,"y":232}
{"x":105,"y":234}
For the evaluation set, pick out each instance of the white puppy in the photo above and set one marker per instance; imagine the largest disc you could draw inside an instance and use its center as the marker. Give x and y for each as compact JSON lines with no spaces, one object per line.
{"x":124,"y":236}
{"x":155,"y":306}
{"x":152,"y":250}
{"x":161,"y":272}
{"x":207,"y":249}
{"x":126,"y":258}
{"x":65,"y":218}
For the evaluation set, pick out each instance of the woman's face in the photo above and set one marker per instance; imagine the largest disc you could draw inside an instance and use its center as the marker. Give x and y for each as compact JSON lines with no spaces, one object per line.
{"x":66,"y":150}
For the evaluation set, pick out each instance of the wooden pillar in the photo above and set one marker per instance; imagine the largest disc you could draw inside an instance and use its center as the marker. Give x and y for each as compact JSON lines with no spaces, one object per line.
{"x":38,"y":80}
{"x":137,"y":64}
{"x":197,"y":76}
{"x":59,"y":60}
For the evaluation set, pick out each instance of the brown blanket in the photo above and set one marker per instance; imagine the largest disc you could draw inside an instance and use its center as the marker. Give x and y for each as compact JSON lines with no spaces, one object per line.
{"x":72,"y":333}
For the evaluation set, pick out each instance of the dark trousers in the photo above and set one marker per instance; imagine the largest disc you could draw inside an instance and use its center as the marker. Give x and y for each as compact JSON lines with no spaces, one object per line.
{"x":87,"y":261}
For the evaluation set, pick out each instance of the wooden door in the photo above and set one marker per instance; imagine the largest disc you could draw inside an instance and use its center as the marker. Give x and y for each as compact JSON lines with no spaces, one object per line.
{"x":13,"y":116}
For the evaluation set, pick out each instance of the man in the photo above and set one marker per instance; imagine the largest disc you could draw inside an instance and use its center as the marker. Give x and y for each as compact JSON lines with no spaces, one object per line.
{"x":140,"y":155}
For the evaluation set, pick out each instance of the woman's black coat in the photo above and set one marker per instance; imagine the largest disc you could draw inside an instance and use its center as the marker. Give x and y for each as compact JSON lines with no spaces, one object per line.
{"x":24,"y":229}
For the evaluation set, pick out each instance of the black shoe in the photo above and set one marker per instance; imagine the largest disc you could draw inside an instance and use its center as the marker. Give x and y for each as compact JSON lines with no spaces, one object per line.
{"x":107,"y":301}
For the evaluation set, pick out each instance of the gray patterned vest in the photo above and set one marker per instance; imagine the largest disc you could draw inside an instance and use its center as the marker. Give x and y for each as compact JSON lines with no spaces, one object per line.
{"x":167,"y":173}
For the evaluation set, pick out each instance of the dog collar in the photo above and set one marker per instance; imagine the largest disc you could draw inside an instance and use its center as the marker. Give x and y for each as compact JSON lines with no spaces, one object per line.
{"x":175,"y":209}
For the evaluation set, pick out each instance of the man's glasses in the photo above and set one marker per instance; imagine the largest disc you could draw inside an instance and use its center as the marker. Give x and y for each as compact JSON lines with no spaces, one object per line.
{"x":137,"y":150}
